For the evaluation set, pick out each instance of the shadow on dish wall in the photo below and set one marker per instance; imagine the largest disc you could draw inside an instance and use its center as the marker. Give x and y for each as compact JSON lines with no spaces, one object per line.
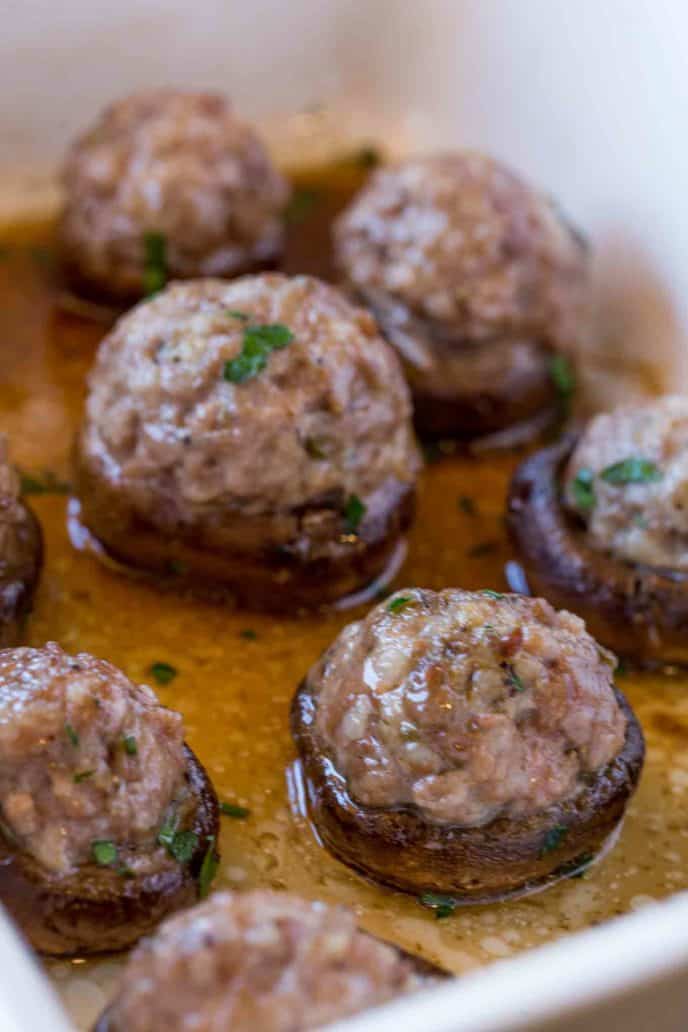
{"x":638,"y":344}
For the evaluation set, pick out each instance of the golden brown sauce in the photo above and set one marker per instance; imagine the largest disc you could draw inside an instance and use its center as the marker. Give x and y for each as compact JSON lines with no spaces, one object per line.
{"x":234,"y":689}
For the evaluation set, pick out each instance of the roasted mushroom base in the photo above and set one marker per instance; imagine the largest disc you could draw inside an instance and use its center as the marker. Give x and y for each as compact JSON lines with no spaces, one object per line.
{"x":470,"y":390}
{"x":507,"y":857}
{"x":100,"y":909}
{"x":638,"y":611}
{"x":301,"y":559}
{"x":19,"y":578}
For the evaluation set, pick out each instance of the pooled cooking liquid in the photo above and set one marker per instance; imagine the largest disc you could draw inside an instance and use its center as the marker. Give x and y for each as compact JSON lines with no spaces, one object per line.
{"x":236,"y":671}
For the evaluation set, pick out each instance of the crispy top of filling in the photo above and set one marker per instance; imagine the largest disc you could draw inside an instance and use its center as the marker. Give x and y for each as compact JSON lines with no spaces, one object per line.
{"x":468,"y":705}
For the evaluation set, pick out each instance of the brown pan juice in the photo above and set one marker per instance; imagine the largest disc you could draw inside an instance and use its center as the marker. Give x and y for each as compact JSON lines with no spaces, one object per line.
{"x":237,"y":671}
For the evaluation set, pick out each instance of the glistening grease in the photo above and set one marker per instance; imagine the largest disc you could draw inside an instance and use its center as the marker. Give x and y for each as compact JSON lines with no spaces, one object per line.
{"x":236,"y":672}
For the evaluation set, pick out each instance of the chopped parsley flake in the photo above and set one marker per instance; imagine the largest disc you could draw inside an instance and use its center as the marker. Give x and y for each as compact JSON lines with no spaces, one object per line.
{"x":301,"y":204}
{"x":163,"y":672}
{"x":492,"y":594}
{"x":398,"y":603}
{"x":130,"y":746}
{"x":236,"y":314}
{"x":208,"y":869}
{"x":71,"y":735}
{"x":553,"y":839}
{"x":515,"y":681}
{"x":82,"y":775}
{"x":633,"y":470}
{"x":444,"y":906}
{"x":483,"y":548}
{"x":354,"y":511}
{"x":259,"y":342}
{"x":43,"y":483}
{"x":583,"y":489}
{"x":562,"y":374}
{"x":179,"y":844}
{"x":248,"y":634}
{"x":239,"y":813}
{"x":467,"y":505}
{"x":154,"y":262}
{"x":104,"y":852}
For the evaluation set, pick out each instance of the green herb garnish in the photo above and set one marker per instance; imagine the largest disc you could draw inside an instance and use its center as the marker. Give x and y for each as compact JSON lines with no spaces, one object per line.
{"x":104,"y":852}
{"x":130,"y":746}
{"x":179,"y":844}
{"x":71,"y":735}
{"x":492,"y":594}
{"x":236,"y":314}
{"x":82,"y":775}
{"x":301,"y":204}
{"x":239,"y":813}
{"x":467,"y":505}
{"x":563,"y":375}
{"x":163,"y":672}
{"x":183,"y":846}
{"x":633,"y":470}
{"x":483,"y":548}
{"x":398,"y":603}
{"x":583,"y":489}
{"x":514,"y":680}
{"x":248,"y":634}
{"x":259,"y":342}
{"x":42,"y":483}
{"x":444,"y":906}
{"x":154,"y":262}
{"x":553,"y":839}
{"x":354,"y":511}
{"x":208,"y":869}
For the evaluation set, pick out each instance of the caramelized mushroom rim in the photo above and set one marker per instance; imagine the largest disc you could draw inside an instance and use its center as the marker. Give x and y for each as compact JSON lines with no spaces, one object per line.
{"x":280,"y":563}
{"x":638,"y":611}
{"x":505,"y":858}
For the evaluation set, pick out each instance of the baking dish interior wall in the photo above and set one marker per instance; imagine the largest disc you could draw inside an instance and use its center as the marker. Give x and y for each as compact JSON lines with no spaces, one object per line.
{"x":588,"y":99}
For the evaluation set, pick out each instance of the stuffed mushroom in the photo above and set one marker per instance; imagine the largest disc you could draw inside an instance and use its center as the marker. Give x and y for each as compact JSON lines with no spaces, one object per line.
{"x":600,"y":522}
{"x":466,"y":743}
{"x":168,"y":184}
{"x":106,"y":816}
{"x":251,"y":438}
{"x":478,"y":281}
{"x":21,"y":553}
{"x":259,"y":960}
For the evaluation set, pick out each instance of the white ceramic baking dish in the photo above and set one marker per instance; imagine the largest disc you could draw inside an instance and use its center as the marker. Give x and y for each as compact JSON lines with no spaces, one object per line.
{"x":588,"y":99}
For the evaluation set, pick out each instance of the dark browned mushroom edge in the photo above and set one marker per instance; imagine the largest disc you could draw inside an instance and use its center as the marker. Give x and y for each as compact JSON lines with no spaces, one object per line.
{"x":97,"y":910}
{"x":505,"y":858}
{"x":638,"y":611}
{"x":422,"y":967}
{"x":305,"y":575}
{"x":514,"y":412}
{"x":18,"y":583}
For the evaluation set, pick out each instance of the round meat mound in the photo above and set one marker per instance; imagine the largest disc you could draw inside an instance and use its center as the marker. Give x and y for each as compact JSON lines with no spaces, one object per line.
{"x":106,"y":816}
{"x":85,"y":756}
{"x":456,"y":255}
{"x":468,"y":743}
{"x":468,"y":706}
{"x":21,"y":553}
{"x":178,"y":165}
{"x":259,"y":431}
{"x":260,"y":960}
{"x":627,"y":479}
